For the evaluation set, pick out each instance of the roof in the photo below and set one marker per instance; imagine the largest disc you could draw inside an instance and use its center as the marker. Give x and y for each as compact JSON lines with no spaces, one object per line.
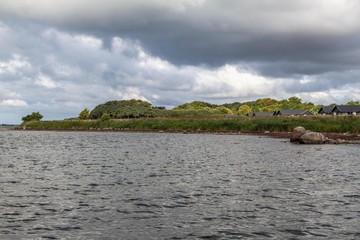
{"x":326,"y":109}
{"x":346,"y":109}
{"x":261,"y":114}
{"x":287,"y":112}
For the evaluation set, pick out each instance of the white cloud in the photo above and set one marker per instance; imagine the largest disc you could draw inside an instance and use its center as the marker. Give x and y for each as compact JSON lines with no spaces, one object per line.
{"x":154,"y":63}
{"x":62,"y":69}
{"x":45,"y":81}
{"x":232,"y":81}
{"x":88,"y":41}
{"x":17,"y":63}
{"x":82,"y":42}
{"x":306,"y":80}
{"x":129,"y":93}
{"x":324,"y":98}
{"x":13,"y":103}
{"x":184,"y":5}
{"x":3,"y":29}
{"x":346,"y":94}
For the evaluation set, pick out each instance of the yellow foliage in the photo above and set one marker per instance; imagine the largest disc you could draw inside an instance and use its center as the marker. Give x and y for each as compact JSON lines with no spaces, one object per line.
{"x":244,"y":109}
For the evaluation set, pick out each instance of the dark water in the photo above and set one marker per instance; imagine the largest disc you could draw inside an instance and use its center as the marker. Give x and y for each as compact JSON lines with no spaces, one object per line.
{"x":174,"y":186}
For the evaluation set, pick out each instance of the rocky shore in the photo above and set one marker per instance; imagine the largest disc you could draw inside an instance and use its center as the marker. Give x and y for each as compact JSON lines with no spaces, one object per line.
{"x":302,"y":136}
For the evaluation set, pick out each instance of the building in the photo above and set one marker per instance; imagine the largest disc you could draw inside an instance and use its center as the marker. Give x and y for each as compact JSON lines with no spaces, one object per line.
{"x":292,"y":113}
{"x":346,"y":110}
{"x":260,"y":114}
{"x":327,"y":110}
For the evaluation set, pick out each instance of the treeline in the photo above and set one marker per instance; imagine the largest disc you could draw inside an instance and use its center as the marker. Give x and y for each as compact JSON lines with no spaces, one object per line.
{"x":125,"y":109}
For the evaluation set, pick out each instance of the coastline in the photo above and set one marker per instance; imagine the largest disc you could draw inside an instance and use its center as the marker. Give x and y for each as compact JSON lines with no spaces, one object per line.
{"x":336,"y":129}
{"x":347,"y":138}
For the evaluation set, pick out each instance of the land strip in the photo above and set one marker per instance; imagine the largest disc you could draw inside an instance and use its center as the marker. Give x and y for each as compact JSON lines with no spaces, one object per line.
{"x":346,"y":128}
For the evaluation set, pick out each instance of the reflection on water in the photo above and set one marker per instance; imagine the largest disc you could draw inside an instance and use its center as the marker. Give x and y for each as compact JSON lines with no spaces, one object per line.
{"x":173,"y":186}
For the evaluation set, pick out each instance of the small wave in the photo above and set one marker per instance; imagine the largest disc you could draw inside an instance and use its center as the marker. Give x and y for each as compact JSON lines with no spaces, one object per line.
{"x":263,"y":234}
{"x":234,"y":233}
{"x":295,"y":232}
{"x":352,"y":196}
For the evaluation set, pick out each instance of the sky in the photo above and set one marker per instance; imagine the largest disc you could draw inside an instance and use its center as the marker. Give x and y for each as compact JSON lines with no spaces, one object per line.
{"x":58,"y":57}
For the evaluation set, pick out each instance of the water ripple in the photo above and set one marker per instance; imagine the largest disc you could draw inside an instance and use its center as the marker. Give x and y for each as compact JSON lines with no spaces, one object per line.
{"x":58,"y":185}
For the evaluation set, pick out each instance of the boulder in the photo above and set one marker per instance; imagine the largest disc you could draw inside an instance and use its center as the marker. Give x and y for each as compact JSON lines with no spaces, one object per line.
{"x":337,"y":141}
{"x":297,"y":133}
{"x":312,"y":138}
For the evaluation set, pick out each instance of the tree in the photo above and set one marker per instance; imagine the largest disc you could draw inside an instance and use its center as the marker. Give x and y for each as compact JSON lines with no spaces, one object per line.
{"x":34,"y":116}
{"x":353,"y":103}
{"x":195,"y":105}
{"x":123,"y":109}
{"x":223,"y":110}
{"x":84,"y":114}
{"x":295,"y":101}
{"x":244,"y":109}
{"x":105,"y":117}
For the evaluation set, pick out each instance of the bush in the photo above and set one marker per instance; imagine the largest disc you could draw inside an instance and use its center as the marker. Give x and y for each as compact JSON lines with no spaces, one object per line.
{"x":84,"y":114}
{"x":105,"y":117}
{"x":35,"y":116}
{"x":125,"y":109}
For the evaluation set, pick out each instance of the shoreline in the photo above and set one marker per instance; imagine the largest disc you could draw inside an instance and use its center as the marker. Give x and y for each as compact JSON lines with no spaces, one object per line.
{"x":344,"y":137}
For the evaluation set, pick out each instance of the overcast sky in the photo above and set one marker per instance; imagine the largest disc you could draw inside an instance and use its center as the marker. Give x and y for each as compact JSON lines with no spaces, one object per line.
{"x":61,"y":56}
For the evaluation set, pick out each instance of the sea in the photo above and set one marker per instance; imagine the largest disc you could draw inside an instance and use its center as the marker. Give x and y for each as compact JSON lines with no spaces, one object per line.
{"x":126,"y":185}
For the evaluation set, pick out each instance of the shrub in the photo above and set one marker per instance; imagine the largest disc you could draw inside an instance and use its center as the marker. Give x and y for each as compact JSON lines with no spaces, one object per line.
{"x":35,"y":116}
{"x":105,"y":117}
{"x":84,"y":114}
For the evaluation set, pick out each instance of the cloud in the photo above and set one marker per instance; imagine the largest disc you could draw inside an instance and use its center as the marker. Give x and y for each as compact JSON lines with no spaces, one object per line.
{"x":13,"y":103}
{"x":214,"y":32}
{"x":76,"y":68}
{"x":45,"y":81}
{"x":230,"y":81}
{"x":62,"y":56}
{"x":12,"y":66}
{"x":279,"y":37}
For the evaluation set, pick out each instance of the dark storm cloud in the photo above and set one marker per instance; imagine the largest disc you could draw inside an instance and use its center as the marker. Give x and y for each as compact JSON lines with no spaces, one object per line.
{"x":216,"y":32}
{"x":75,"y":54}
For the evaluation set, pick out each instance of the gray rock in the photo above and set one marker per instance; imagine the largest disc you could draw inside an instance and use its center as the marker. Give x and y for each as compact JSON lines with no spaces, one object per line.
{"x":312,"y":138}
{"x":297,"y":133}
{"x":337,"y":141}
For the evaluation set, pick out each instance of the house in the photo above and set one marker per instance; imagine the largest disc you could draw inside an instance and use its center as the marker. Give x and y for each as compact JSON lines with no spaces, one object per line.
{"x":327,"y":110}
{"x":292,"y":113}
{"x":346,"y":110}
{"x":260,"y":114}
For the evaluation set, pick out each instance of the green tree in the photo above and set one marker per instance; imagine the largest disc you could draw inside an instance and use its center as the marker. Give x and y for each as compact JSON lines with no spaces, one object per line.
{"x":105,"y":117}
{"x":353,"y":103}
{"x":244,"y":109}
{"x":34,"y":116}
{"x":295,"y":101}
{"x":195,"y":105}
{"x":84,"y":114}
{"x":232,"y":106}
{"x":223,"y":110}
{"x":124,"y":109}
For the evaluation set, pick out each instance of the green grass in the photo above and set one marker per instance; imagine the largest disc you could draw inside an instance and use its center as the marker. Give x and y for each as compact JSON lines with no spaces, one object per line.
{"x":273,"y":124}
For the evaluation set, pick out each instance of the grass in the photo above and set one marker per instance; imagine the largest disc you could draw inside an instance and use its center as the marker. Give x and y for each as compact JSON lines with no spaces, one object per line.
{"x":274,"y":124}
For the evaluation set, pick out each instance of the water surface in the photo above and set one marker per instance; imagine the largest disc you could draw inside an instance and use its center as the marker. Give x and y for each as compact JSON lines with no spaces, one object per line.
{"x":89,"y":185}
